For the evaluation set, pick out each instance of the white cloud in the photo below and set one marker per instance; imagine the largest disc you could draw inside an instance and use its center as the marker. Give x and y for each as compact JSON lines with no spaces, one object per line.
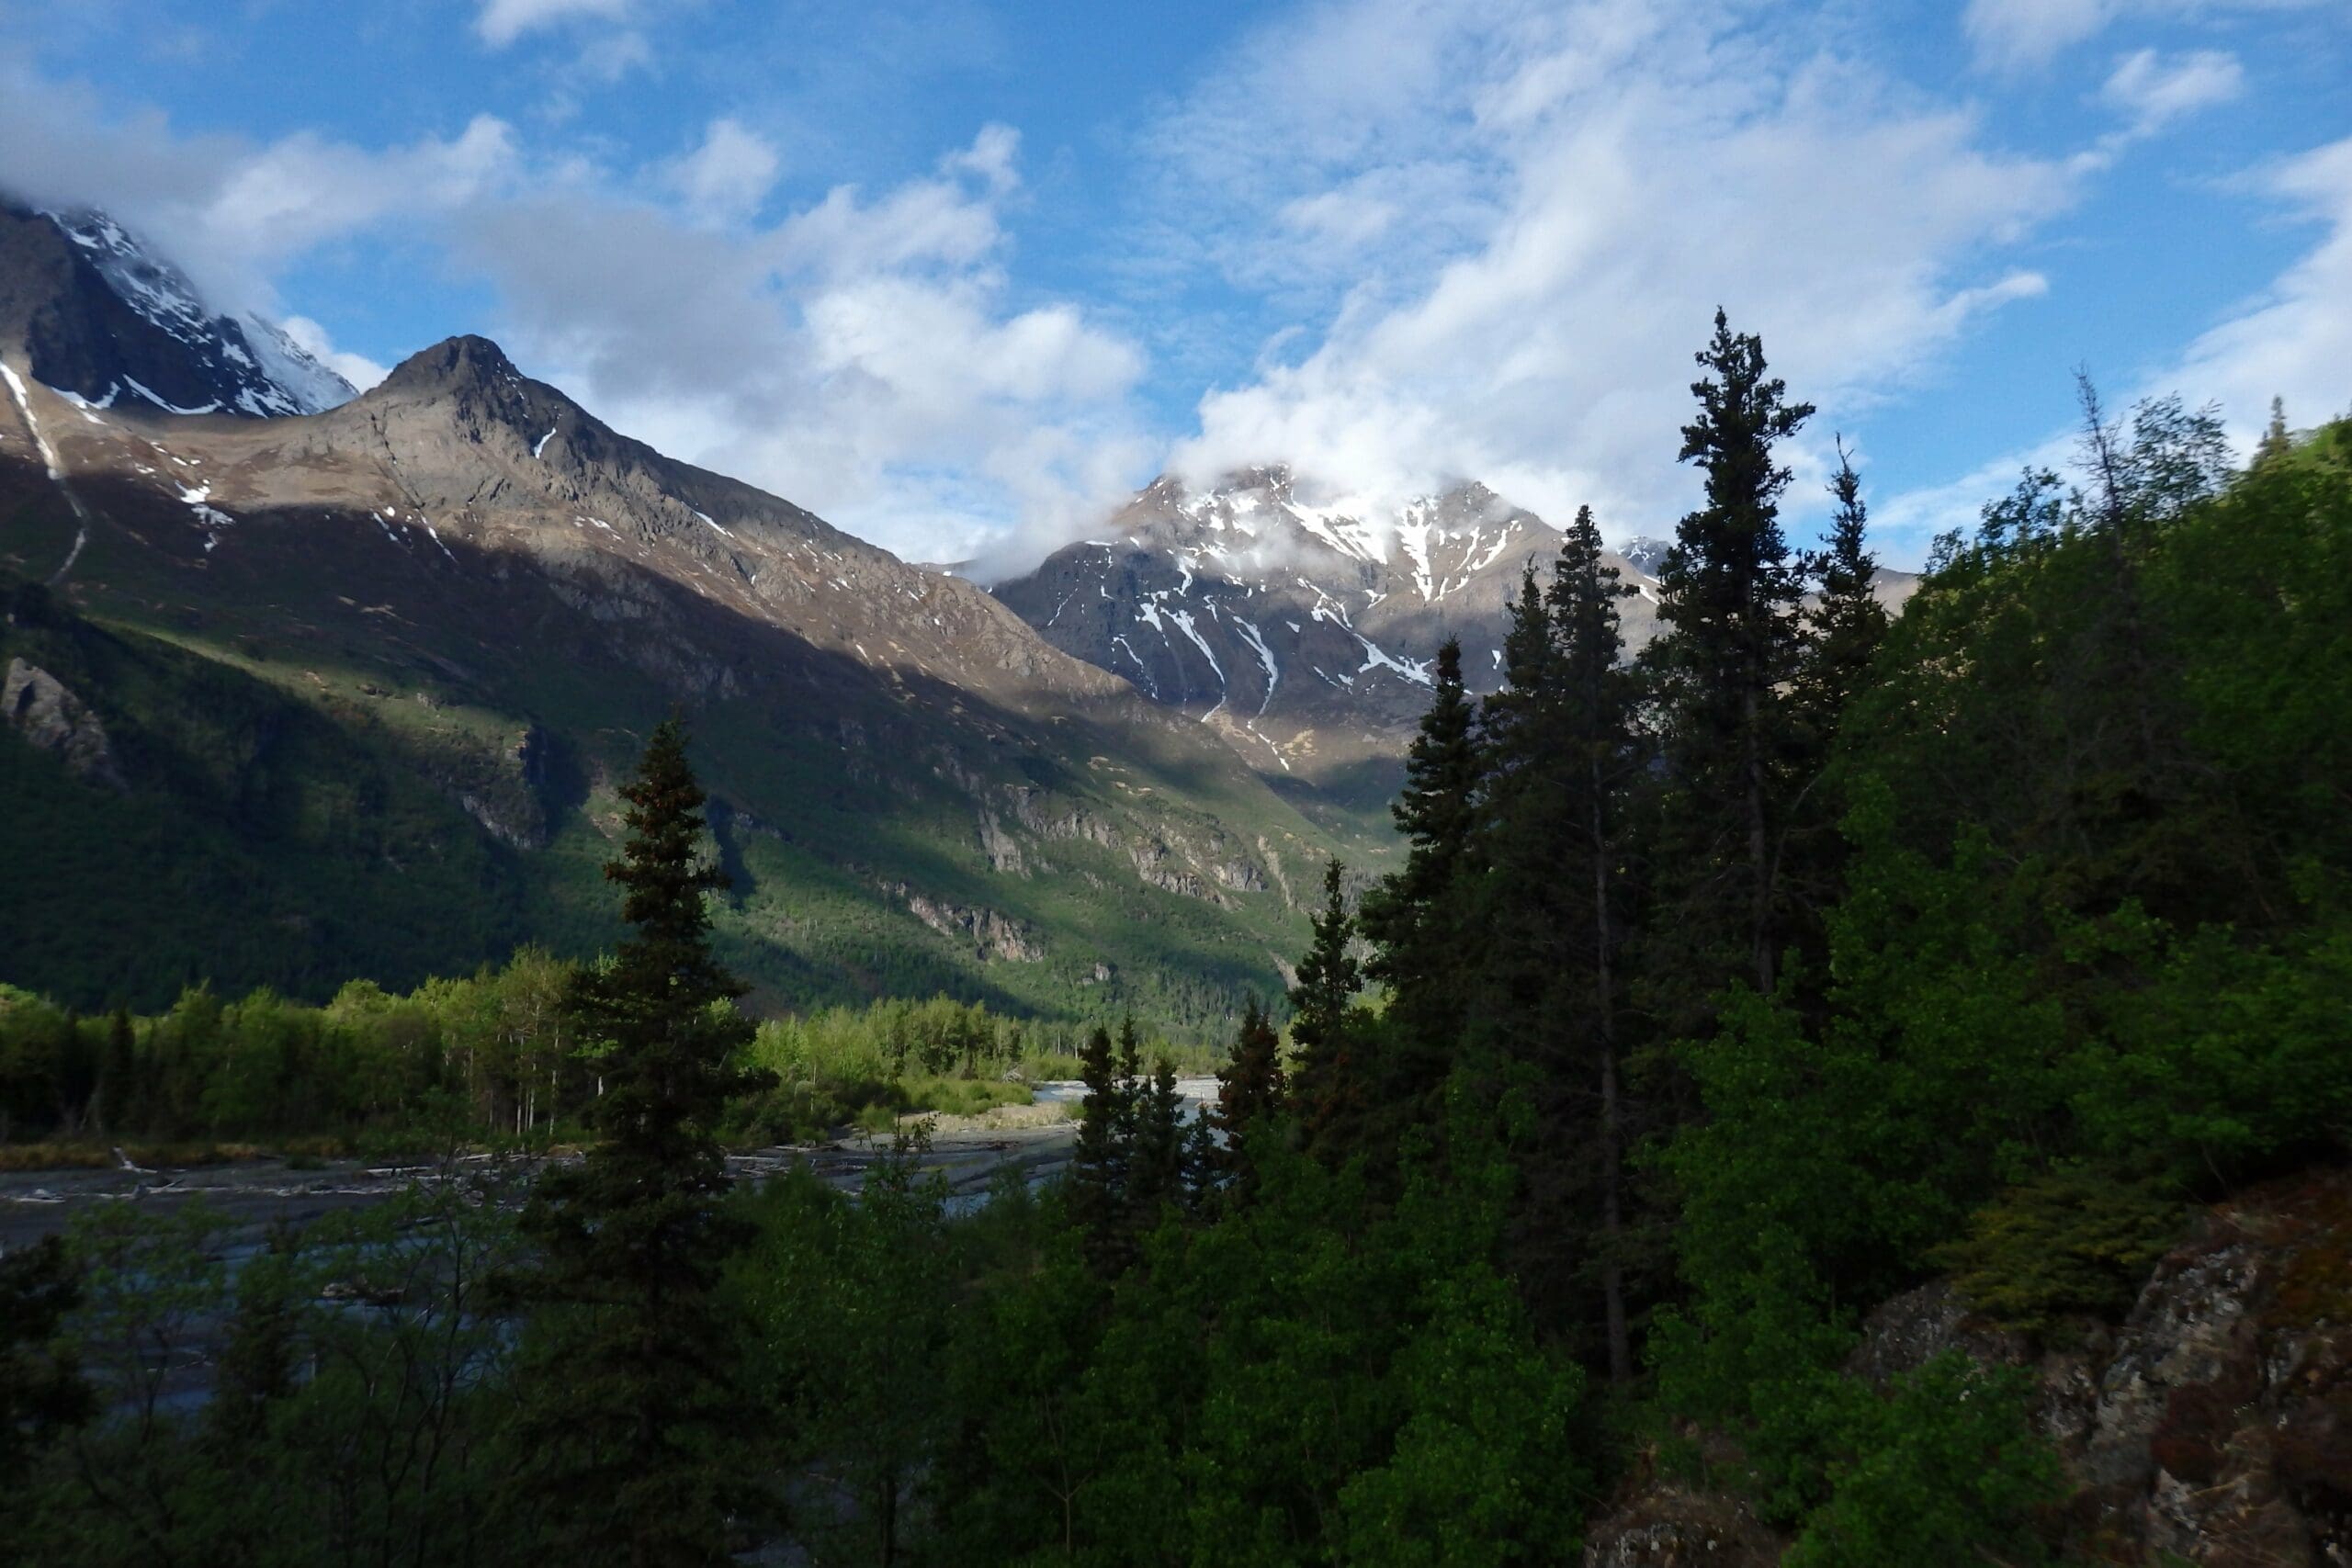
{"x":730,"y":173}
{"x":500,"y":22}
{"x":2294,"y":341}
{"x":231,"y":212}
{"x":859,"y":357}
{"x":864,"y":356}
{"x":1618,"y":169}
{"x":2151,"y":90}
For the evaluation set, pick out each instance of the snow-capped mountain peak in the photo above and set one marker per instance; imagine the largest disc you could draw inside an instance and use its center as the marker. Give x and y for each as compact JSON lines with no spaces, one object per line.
{"x":1303,"y":627}
{"x":100,"y":316}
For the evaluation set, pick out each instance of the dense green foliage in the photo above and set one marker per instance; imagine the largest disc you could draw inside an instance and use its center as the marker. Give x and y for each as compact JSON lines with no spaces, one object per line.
{"x":493,"y":1056}
{"x":1311,"y":1377}
{"x":2088,"y":956}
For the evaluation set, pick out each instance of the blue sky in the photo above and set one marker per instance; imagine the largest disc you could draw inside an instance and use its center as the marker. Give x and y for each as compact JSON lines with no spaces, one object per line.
{"x":960,"y":274}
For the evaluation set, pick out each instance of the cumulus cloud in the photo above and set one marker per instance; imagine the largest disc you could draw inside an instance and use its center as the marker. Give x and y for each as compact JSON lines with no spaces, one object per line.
{"x":233,"y":212}
{"x":1619,"y":168}
{"x":730,"y":173}
{"x":860,"y":355}
{"x":500,"y":22}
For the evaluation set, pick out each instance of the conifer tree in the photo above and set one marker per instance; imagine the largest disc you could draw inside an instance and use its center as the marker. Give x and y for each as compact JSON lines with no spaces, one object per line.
{"x":1098,"y":1167}
{"x":1559,"y":739}
{"x":1329,"y":1085}
{"x":1526,"y":895}
{"x":1412,"y":918}
{"x":1724,"y":658}
{"x":2275,"y":442}
{"x":1846,"y":625}
{"x":1249,"y":1091}
{"x":629,"y":1388}
{"x":1843,"y":629}
{"x":1157,"y":1169}
{"x":118,"y":1071}
{"x":1598,"y":737}
{"x":1127,"y":1104}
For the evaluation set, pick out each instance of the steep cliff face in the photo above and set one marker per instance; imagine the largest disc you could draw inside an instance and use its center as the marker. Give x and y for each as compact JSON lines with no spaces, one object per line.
{"x":49,"y":717}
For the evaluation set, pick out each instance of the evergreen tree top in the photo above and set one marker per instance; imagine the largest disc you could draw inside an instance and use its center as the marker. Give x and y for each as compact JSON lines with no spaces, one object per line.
{"x":1742,"y":412}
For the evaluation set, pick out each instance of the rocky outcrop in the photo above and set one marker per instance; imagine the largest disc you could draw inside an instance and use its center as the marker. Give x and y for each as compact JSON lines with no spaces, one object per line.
{"x":1001,"y":848}
{"x":2219,"y":1429}
{"x":51,"y":718}
{"x":2215,"y":1424}
{"x":993,"y":936}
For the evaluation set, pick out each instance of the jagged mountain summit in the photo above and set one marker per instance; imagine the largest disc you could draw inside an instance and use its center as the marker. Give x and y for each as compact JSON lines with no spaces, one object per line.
{"x":1302,"y":632}
{"x":101,"y":317}
{"x":369,"y":678}
{"x":1305,"y":632}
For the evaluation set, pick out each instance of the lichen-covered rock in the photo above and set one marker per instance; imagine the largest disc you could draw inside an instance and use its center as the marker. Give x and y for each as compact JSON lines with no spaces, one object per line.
{"x":2222,"y":1427}
{"x":51,"y":718}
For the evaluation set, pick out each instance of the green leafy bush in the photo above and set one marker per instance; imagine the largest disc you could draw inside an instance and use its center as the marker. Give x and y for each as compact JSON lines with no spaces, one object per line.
{"x":1945,"y":1468}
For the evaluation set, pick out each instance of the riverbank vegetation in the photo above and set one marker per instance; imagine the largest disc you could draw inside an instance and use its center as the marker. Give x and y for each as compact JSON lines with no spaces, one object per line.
{"x":492,"y":1057}
{"x":1726,"y":993}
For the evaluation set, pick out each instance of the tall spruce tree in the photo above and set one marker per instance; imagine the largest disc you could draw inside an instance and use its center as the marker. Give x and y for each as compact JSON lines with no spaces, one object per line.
{"x":629,"y":1390}
{"x":1846,"y":625}
{"x":1328,"y":1086}
{"x":118,"y":1074}
{"x":1157,"y":1178}
{"x":1597,"y":736}
{"x":2275,"y":442}
{"x":1844,"y":628}
{"x":1098,"y":1178}
{"x":1249,"y":1091}
{"x":1560,"y":741}
{"x":1724,"y":663}
{"x":1524,"y":897}
{"x":1413,"y":917}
